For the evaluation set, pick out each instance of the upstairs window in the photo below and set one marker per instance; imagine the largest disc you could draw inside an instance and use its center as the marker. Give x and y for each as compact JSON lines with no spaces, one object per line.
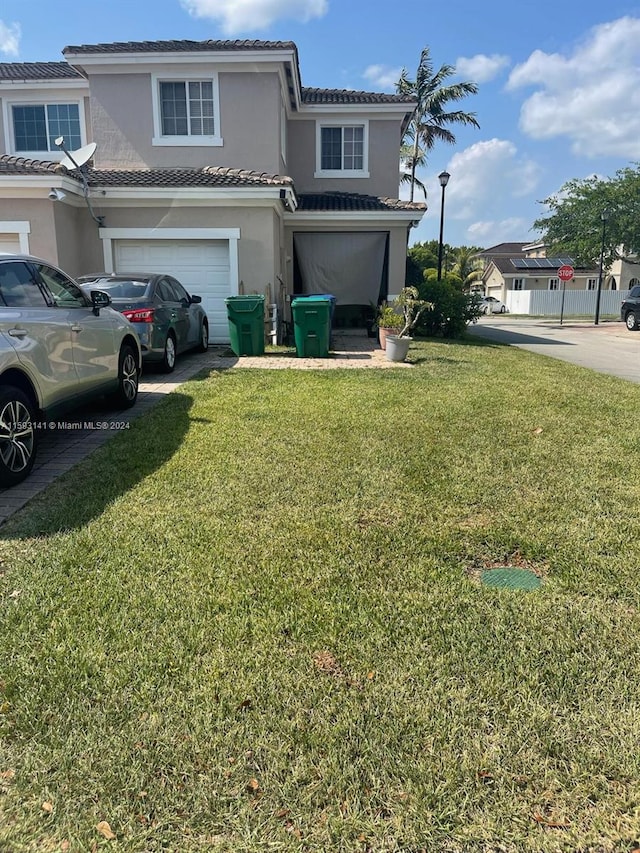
{"x":342,"y":151}
{"x":592,"y":283}
{"x":187,"y":108}
{"x":554,"y":284}
{"x":37,"y":126}
{"x":518,"y":284}
{"x":186,"y":112}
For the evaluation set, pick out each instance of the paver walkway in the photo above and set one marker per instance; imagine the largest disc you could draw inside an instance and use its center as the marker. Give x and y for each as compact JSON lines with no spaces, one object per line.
{"x":69,"y":440}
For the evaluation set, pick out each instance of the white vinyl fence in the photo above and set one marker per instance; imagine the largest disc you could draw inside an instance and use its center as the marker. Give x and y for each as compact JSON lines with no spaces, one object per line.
{"x":548,"y":303}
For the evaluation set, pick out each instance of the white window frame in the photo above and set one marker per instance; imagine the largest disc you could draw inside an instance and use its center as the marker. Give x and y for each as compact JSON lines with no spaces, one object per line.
{"x":593,"y":281}
{"x":342,"y":173}
{"x":554,"y":284}
{"x":36,"y":100}
{"x":191,"y":77}
{"x":20,"y":228}
{"x":519,"y":284}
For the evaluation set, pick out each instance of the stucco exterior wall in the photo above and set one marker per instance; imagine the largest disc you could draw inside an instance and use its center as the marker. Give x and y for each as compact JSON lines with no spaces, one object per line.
{"x":122,"y":115}
{"x":384,"y":157}
{"x":258,"y":262}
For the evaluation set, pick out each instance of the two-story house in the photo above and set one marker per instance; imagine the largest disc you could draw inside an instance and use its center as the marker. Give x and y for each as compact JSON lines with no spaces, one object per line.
{"x":212,"y":163}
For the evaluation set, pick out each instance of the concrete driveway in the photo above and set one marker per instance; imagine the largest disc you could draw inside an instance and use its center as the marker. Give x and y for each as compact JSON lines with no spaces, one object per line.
{"x":608,"y":348}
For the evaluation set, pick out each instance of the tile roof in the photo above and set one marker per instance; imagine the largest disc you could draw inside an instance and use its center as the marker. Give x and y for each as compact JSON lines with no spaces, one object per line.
{"x":38,"y":71}
{"x":346,"y":96}
{"x":179,"y":45}
{"x":506,"y":265}
{"x":23,"y":166}
{"x":354,"y":202}
{"x":211,"y":176}
{"x":511,"y":249}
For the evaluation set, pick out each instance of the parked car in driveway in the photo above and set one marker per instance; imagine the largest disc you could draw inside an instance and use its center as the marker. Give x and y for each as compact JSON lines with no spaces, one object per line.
{"x":168,"y":320}
{"x":630,"y":309}
{"x":491,"y":305}
{"x":58,"y":347}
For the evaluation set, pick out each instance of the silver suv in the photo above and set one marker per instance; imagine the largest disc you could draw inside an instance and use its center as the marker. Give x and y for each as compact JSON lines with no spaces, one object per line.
{"x":58,"y":347}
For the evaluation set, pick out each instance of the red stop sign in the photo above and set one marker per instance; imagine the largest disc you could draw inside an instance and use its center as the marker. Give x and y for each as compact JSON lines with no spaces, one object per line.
{"x":565,"y":272}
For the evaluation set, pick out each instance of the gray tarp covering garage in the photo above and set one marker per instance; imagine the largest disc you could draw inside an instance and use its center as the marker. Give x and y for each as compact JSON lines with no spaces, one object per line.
{"x":350,"y":265}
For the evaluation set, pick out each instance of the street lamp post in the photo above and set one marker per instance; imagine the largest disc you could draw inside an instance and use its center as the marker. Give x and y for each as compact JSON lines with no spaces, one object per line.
{"x":603,"y":216}
{"x":443,"y":177}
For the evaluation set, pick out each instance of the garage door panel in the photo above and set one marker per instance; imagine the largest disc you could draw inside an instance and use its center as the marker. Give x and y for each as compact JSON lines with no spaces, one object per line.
{"x":202,"y":266}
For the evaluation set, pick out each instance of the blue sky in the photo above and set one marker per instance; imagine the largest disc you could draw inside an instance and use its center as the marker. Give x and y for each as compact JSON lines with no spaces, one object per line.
{"x":559,"y":81}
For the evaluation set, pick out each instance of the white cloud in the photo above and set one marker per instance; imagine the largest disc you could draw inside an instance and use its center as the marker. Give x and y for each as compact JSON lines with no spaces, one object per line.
{"x":237,"y":16}
{"x":383,"y":77}
{"x":486,"y":173}
{"x":9,"y":38}
{"x":486,"y":197}
{"x":591,"y":96}
{"x":481,"y":68}
{"x":491,"y":232}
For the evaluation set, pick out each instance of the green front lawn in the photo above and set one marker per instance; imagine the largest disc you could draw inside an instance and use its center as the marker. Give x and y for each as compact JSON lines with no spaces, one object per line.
{"x":254,"y":621}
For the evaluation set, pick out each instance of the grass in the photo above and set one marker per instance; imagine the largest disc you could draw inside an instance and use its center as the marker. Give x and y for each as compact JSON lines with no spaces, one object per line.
{"x":254,"y":622}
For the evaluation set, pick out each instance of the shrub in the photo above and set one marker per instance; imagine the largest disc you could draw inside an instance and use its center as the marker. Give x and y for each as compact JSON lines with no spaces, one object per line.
{"x":452,"y":308}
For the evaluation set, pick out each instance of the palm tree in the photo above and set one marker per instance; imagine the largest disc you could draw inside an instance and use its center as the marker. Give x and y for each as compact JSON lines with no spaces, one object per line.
{"x":467,"y":266}
{"x":431,"y":120}
{"x":411,"y":162}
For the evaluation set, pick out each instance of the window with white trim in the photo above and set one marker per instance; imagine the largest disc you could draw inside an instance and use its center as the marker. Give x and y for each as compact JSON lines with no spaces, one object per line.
{"x":554,"y":284}
{"x":342,"y":150}
{"x":37,"y":126}
{"x":518,"y":284}
{"x":186,"y":111}
{"x":592,"y":283}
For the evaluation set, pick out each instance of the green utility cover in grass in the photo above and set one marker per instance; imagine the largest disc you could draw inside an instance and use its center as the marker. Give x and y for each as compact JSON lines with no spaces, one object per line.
{"x":510,"y":579}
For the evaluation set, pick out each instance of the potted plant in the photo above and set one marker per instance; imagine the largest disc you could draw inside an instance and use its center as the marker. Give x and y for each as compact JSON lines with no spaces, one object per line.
{"x":412,"y":308}
{"x":389,"y":321}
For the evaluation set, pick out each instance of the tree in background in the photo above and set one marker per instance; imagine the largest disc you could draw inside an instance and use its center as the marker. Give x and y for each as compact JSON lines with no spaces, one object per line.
{"x":453,"y":306}
{"x":431,"y":121}
{"x":461,"y":262}
{"x":573,"y":225}
{"x":467,"y":265}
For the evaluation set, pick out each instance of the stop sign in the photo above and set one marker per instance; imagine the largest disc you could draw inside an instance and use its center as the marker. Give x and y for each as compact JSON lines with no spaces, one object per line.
{"x":565,"y":272}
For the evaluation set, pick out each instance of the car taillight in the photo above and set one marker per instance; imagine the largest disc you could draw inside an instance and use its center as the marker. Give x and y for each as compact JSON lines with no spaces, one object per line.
{"x":140,"y":315}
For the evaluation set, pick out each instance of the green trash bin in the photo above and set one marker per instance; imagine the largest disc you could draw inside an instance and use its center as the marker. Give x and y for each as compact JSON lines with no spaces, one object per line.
{"x":312,"y":326}
{"x":246,"y":324}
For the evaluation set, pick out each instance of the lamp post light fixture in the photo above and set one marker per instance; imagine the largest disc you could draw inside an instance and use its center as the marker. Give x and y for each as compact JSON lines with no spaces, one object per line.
{"x":443,"y":177}
{"x":604,"y":216}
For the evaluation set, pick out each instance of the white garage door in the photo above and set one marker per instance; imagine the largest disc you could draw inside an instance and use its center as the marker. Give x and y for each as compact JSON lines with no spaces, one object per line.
{"x":10,"y":243}
{"x":202,"y":266}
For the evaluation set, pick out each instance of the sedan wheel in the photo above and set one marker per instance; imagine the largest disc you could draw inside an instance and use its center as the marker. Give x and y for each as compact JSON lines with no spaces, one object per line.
{"x":18,"y":440}
{"x":203,"y":346}
{"x":632,"y":321}
{"x":503,"y":308}
{"x":169,"y":357}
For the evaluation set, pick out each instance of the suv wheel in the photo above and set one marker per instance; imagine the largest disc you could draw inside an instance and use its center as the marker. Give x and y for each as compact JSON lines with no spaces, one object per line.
{"x":631,"y":320}
{"x":128,"y":378}
{"x":18,"y":438}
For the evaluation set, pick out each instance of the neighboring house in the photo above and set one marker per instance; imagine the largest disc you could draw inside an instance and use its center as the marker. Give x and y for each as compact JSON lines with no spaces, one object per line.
{"x":214,"y":164}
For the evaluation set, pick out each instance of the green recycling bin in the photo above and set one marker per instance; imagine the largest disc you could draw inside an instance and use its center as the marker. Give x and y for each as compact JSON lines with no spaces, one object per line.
{"x":312,"y":326}
{"x":246,"y":324}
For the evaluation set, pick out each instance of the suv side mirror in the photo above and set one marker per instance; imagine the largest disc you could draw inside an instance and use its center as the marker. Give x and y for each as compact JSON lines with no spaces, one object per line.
{"x":195,"y":300}
{"x":99,"y":299}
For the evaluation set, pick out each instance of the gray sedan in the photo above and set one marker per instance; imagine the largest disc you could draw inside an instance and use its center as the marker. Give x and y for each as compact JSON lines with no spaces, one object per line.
{"x":168,"y":320}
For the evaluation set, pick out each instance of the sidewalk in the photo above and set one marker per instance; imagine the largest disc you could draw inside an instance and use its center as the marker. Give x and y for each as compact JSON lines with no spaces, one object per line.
{"x":78,"y":434}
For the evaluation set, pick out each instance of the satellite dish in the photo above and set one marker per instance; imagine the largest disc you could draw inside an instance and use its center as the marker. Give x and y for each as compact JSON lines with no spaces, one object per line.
{"x":76,"y":159}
